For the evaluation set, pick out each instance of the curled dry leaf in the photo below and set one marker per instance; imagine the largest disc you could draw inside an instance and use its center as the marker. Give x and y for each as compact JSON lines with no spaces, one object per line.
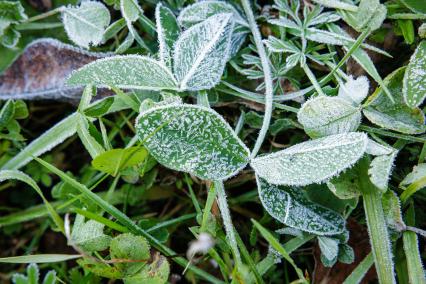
{"x":40,"y":72}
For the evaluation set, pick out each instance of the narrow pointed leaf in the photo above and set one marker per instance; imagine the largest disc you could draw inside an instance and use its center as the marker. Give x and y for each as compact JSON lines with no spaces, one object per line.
{"x":291,"y":207}
{"x":323,"y":116}
{"x":414,"y":84}
{"x":313,"y":161}
{"x":130,"y":10}
{"x":398,"y":116}
{"x":86,"y":24}
{"x":127,"y":72}
{"x":192,"y":139}
{"x":168,"y":32}
{"x":202,"y":51}
{"x":39,"y":258}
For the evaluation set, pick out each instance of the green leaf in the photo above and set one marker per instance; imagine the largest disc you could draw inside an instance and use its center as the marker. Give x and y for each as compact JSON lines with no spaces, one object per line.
{"x":398,"y":116}
{"x":7,"y":113}
{"x":192,"y":139}
{"x":168,"y":32}
{"x":359,"y":272}
{"x":415,"y":6}
{"x":130,"y":10}
{"x":392,"y":210}
{"x":130,"y":247}
{"x":200,"y":11}
{"x":127,"y":72}
{"x":100,"y":107}
{"x":11,"y":12}
{"x":100,"y":269}
{"x":86,"y":24}
{"x":291,"y":207}
{"x":39,"y":258}
{"x":346,"y":185}
{"x":329,"y":247}
{"x":202,"y":51}
{"x":323,"y":116}
{"x":370,"y":15}
{"x":89,"y":142}
{"x":275,"y":244}
{"x":18,"y":175}
{"x":337,"y":5}
{"x":414,"y":84}
{"x":418,"y":172}
{"x":313,"y":161}
{"x":156,"y":272}
{"x":89,"y":235}
{"x":115,"y":160}
{"x":346,"y":254}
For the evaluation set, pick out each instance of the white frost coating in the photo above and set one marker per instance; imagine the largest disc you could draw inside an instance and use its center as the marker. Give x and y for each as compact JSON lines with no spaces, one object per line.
{"x":323,"y":116}
{"x":201,"y":52}
{"x":91,"y":145}
{"x":202,"y":10}
{"x":417,"y":173}
{"x":354,"y":90}
{"x":51,"y":138}
{"x":313,"y":161}
{"x":131,"y":11}
{"x":376,"y":149}
{"x":290,"y":207}
{"x":329,"y":247}
{"x":192,"y":139}
{"x":380,"y":170}
{"x":125,"y":71}
{"x":167,"y":33}
{"x":86,"y":24}
{"x":89,"y":235}
{"x":414,"y":83}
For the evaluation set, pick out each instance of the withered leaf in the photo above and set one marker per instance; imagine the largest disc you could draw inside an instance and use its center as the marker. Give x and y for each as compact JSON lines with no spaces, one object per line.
{"x":41,"y":70}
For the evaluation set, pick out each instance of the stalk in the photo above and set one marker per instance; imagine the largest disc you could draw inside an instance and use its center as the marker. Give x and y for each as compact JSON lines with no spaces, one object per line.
{"x":269,"y":90}
{"x":377,"y":229}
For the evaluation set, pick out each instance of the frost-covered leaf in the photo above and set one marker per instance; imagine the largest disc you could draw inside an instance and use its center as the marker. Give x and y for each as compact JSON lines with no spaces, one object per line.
{"x":398,"y":117}
{"x":329,"y":247}
{"x":89,"y":235}
{"x":285,"y":23}
{"x":89,"y":142}
{"x":392,"y":210}
{"x":354,"y":90}
{"x":41,"y":70}
{"x":313,"y":161}
{"x":277,"y":45}
{"x":127,"y":72}
{"x":370,"y":14}
{"x":131,"y":247}
{"x":346,"y":185}
{"x":346,"y":254}
{"x":380,"y":170}
{"x":115,"y":160}
{"x":418,"y":172}
{"x":86,"y":24}
{"x":192,"y":139}
{"x":337,"y":4}
{"x":6,"y":113}
{"x":291,"y":207}
{"x":168,"y":32}
{"x":130,"y":10}
{"x":200,"y":11}
{"x":415,"y":6}
{"x":323,"y":116}
{"x":11,"y":12}
{"x":202,"y":51}
{"x":156,"y":272}
{"x":376,"y":149}
{"x":414,"y":84}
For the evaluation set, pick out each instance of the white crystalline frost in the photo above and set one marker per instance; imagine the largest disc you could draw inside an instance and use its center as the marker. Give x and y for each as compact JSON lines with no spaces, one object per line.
{"x":192,"y":139}
{"x":313,"y":161}
{"x":201,"y":52}
{"x":354,"y":90}
{"x":414,"y":84}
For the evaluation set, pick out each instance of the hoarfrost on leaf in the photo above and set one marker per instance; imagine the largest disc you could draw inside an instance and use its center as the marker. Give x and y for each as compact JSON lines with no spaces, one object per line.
{"x":380,"y":170}
{"x":291,"y":207}
{"x":314,"y":161}
{"x":89,"y":235}
{"x":323,"y":116}
{"x":329,"y":247}
{"x":200,"y":11}
{"x":201,"y":53}
{"x":86,"y":24}
{"x":168,"y":32}
{"x":394,"y":116}
{"x":127,"y":72}
{"x":418,"y":172}
{"x":414,"y":84}
{"x":354,"y":90}
{"x":346,"y":185}
{"x":192,"y":139}
{"x":376,"y":149}
{"x":369,"y":15}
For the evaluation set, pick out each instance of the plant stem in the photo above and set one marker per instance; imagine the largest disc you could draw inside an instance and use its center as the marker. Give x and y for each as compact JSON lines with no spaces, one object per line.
{"x":269,"y":90}
{"x":359,"y":272}
{"x":45,"y":15}
{"x":227,"y":221}
{"x":313,"y":79}
{"x":379,"y":237}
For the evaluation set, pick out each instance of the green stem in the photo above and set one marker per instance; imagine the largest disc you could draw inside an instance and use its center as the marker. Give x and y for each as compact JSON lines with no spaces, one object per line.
{"x":313,"y":79}
{"x":379,"y":237}
{"x":227,"y":221}
{"x":209,"y":203}
{"x":359,"y":272}
{"x":269,"y":90}
{"x":45,"y":15}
